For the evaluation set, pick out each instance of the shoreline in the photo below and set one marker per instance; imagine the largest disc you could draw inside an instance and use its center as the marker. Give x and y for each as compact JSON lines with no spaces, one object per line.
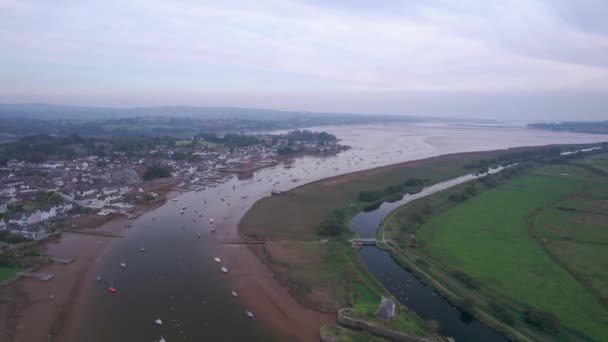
{"x":55,"y":306}
{"x":258,"y":284}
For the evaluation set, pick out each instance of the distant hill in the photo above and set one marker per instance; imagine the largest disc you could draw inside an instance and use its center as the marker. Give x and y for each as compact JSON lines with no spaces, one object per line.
{"x":51,"y":111}
{"x":597,"y":127}
{"x":40,"y":118}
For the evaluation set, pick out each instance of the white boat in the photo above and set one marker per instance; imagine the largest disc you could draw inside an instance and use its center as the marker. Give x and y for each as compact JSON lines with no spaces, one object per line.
{"x":184,"y":208}
{"x":181,"y":212}
{"x":123,"y":264}
{"x":234,"y":294}
{"x":211,"y":220}
{"x":175,"y":200}
{"x":162,"y":339}
{"x":158,"y":321}
{"x":224,"y":269}
{"x":142,"y":249}
{"x":218,"y":260}
{"x":98,"y":278}
{"x":249,"y":314}
{"x":198,"y":235}
{"x":213,"y":229}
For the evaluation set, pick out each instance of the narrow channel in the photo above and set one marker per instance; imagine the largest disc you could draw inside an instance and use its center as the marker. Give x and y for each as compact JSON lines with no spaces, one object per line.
{"x":408,"y":289}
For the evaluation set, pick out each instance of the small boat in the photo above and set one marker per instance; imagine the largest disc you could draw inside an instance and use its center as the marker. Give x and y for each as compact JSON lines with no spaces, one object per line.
{"x":142,"y":249}
{"x":224,"y":269}
{"x":234,"y":294}
{"x":249,"y":314}
{"x":181,"y":212}
{"x":184,"y":208}
{"x":218,"y":260}
{"x":123,"y":264}
{"x":211,"y":220}
{"x":159,"y":321}
{"x":175,"y":200}
{"x":98,"y":278}
{"x":162,"y":339}
{"x":213,"y":229}
{"x":111,"y":290}
{"x":198,"y":235}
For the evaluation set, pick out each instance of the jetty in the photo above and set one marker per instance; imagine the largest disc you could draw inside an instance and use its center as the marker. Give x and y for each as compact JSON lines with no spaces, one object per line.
{"x":41,"y":276}
{"x":63,"y":261}
{"x":87,"y":232}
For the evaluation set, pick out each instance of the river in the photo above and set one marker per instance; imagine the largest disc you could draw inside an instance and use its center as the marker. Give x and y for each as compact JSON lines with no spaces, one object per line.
{"x":176,"y":279}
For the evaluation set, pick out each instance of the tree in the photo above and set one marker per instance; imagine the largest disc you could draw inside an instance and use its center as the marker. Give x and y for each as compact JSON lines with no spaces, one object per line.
{"x":156,"y":171}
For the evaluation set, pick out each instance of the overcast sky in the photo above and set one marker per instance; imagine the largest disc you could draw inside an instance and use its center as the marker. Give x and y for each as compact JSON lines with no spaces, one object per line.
{"x":520,"y":59}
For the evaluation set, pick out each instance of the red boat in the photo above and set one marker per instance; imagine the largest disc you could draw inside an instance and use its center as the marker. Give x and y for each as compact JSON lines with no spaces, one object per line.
{"x":111,"y":290}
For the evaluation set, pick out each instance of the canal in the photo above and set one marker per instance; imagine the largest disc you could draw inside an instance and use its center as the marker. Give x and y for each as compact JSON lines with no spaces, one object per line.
{"x":408,"y":289}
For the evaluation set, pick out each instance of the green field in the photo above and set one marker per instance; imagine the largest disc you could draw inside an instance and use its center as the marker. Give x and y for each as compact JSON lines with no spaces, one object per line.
{"x":599,"y":161}
{"x":491,"y":239}
{"x":7,"y":272}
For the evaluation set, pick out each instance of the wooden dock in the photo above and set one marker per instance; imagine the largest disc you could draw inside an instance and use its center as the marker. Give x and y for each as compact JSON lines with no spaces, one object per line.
{"x":63,"y":261}
{"x":41,"y":276}
{"x":86,"y":232}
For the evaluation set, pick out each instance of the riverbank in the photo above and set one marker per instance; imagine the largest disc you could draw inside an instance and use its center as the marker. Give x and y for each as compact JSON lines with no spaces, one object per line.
{"x":34,"y":310}
{"x":324,"y":272}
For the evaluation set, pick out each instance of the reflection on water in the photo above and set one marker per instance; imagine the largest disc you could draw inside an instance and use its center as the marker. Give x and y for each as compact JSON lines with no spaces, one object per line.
{"x":176,"y":278}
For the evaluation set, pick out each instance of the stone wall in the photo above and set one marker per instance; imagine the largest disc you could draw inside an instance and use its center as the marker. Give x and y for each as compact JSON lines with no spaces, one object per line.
{"x":376,"y":330}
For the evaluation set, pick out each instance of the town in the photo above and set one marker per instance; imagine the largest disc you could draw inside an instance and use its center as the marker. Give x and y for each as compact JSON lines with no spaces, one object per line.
{"x":47,"y":180}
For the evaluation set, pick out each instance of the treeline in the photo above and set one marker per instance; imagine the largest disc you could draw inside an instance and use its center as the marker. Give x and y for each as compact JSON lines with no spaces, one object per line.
{"x":38,"y":148}
{"x":374,"y":195}
{"x":551,"y":154}
{"x":306,"y":135}
{"x":490,"y":181}
{"x":230,"y":139}
{"x":599,"y":127}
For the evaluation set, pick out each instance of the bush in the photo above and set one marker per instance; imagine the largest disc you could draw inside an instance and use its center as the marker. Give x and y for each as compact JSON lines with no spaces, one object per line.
{"x":458,"y":197}
{"x":542,"y":320}
{"x":466,"y":279}
{"x":334,"y":224}
{"x":414,"y":182}
{"x":502,"y":313}
{"x":370,"y":195}
{"x":8,"y":237}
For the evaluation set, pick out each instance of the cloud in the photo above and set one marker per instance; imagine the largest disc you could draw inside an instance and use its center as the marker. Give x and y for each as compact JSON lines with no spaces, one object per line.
{"x":142,"y":47}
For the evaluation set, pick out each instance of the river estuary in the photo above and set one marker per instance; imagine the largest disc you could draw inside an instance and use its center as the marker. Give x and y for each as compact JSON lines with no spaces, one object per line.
{"x":177,"y":280}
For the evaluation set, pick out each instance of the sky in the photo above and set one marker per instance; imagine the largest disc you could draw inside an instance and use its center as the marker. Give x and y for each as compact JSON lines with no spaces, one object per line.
{"x":508,"y":59}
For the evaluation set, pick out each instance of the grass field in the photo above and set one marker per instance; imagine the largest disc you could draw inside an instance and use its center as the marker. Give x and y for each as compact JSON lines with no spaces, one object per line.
{"x":7,"y":272}
{"x":487,"y":238}
{"x":599,"y":161}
